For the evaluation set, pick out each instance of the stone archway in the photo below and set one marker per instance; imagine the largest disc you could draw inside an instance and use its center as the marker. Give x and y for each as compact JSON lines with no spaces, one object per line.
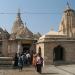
{"x":58,"y":53}
{"x":39,"y":51}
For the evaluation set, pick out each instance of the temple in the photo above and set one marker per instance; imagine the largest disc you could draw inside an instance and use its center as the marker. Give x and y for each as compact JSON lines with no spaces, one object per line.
{"x":20,"y":40}
{"x":53,"y":46}
{"x":56,"y":47}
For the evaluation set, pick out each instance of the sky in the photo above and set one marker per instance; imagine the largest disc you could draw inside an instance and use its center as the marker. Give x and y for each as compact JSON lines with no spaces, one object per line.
{"x":39,"y":15}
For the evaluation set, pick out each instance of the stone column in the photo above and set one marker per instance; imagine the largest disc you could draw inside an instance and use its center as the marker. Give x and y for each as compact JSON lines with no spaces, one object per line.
{"x":9,"y":50}
{"x":19,"y":47}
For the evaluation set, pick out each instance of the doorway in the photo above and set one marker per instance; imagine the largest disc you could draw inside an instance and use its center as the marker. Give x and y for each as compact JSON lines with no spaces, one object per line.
{"x":27,"y":52}
{"x":26,"y":48}
{"x":58,"y":53}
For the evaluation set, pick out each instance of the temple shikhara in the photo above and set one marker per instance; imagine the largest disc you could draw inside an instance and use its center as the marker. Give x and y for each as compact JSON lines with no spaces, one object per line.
{"x":20,"y":40}
{"x":53,"y":46}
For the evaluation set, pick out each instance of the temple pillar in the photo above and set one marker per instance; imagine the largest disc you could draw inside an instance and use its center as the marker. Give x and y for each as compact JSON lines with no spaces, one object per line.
{"x":19,"y":48}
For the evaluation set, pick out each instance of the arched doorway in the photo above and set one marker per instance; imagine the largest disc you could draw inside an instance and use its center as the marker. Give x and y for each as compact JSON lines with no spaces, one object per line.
{"x":26,"y":48}
{"x":39,"y":51}
{"x":58,"y":53}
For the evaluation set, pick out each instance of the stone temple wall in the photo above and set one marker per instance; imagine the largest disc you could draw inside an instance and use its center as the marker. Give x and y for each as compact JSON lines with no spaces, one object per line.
{"x":12,"y":48}
{"x":5,"y":48}
{"x":48,"y":47}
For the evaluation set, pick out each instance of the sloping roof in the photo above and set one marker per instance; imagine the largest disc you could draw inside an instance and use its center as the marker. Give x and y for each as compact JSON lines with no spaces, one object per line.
{"x":24,"y":32}
{"x":4,"y":34}
{"x":37,"y":36}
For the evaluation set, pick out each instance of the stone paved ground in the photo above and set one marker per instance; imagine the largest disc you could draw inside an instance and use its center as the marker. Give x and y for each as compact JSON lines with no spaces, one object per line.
{"x":68,"y":68}
{"x":25,"y":71}
{"x":59,"y":70}
{"x":47,"y":70}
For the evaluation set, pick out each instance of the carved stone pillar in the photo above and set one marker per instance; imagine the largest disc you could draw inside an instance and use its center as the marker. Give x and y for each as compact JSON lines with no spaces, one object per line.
{"x":19,"y":47}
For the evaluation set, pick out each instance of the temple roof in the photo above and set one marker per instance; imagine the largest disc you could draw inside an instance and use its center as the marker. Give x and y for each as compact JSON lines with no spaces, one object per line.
{"x":68,"y":8}
{"x":37,"y":36}
{"x":17,"y":23}
{"x":20,"y":29}
{"x":53,"y":34}
{"x":23,"y":31}
{"x":4,"y":34}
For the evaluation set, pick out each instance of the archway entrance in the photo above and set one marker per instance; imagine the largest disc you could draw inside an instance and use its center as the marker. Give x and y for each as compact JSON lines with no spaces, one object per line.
{"x":26,"y":48}
{"x":39,"y":51}
{"x":58,"y":53}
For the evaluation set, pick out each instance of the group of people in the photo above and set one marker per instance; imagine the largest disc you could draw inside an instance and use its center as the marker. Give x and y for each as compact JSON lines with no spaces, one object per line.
{"x":21,"y":60}
{"x":24,"y":59}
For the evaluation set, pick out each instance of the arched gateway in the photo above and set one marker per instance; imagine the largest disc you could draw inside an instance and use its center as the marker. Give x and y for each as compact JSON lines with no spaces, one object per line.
{"x":58,"y":53}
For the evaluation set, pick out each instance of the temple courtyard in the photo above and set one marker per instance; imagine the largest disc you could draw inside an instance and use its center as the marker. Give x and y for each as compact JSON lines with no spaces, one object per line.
{"x":47,"y":70}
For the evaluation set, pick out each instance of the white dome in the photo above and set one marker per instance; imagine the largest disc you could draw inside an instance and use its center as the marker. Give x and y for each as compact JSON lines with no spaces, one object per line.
{"x":52,"y":33}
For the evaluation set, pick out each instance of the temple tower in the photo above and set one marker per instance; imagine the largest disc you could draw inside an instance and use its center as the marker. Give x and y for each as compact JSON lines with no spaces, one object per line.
{"x":67,"y":25}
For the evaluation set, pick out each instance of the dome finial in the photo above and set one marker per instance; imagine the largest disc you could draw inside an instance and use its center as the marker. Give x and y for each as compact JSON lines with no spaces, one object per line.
{"x":18,"y":10}
{"x":68,"y":5}
{"x":52,"y":29}
{"x":18,"y":14}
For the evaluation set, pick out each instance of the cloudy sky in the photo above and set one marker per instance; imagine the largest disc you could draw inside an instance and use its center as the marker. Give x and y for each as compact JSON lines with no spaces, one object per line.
{"x":39,"y":15}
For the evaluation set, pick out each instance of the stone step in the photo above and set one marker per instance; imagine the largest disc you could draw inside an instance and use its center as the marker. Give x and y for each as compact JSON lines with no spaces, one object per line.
{"x":6,"y":60}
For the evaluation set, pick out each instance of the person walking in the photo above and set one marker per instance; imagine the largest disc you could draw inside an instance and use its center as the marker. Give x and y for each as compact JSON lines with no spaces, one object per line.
{"x":39,"y":63}
{"x":15,"y":61}
{"x":20,"y":62}
{"x":28,"y":58}
{"x":34,"y":60}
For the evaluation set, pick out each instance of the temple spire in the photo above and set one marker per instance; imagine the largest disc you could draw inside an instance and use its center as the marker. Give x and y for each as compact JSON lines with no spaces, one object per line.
{"x":18,"y":14}
{"x":68,"y":5}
